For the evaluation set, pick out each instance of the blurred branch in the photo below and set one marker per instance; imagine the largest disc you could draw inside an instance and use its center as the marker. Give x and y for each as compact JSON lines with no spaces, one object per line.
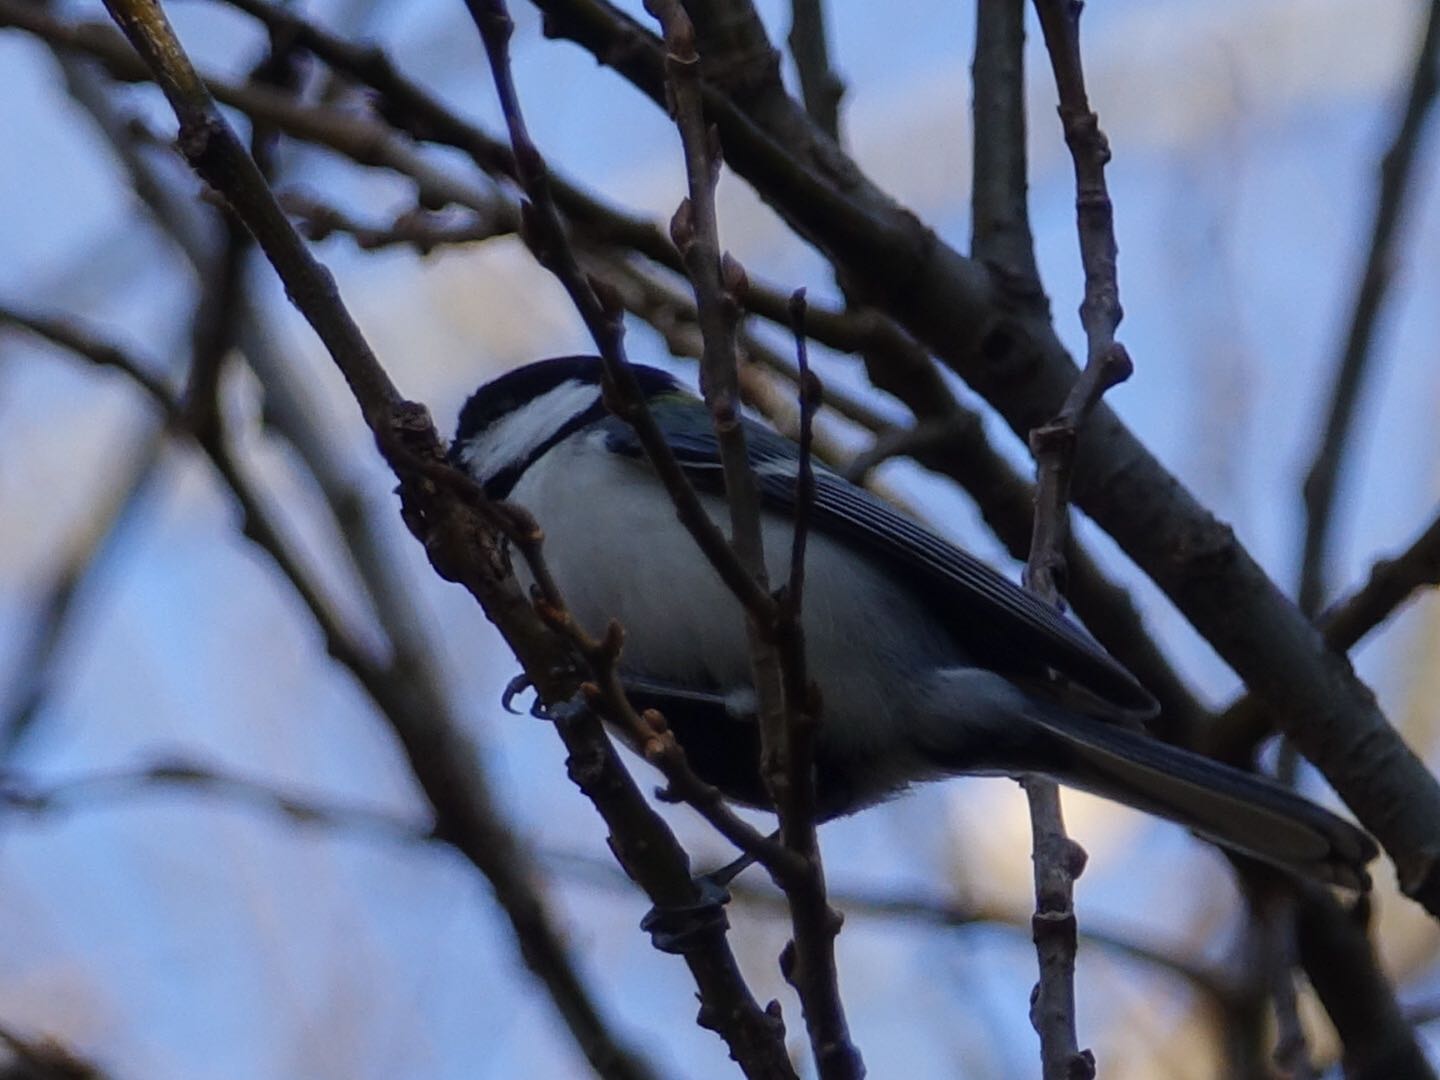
{"x":24,"y":795}
{"x":365,"y":141}
{"x":417,"y":228}
{"x":1217,"y":983}
{"x":98,"y":352}
{"x":93,"y":544}
{"x":1276,"y":954}
{"x":43,"y":1058}
{"x":1378,"y":1039}
{"x":820,"y":86}
{"x":1353,"y":363}
{"x":101,"y":790}
{"x":1391,"y":582}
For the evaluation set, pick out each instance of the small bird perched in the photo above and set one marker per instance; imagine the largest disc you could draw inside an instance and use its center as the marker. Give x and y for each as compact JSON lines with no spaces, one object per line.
{"x":930,"y":663}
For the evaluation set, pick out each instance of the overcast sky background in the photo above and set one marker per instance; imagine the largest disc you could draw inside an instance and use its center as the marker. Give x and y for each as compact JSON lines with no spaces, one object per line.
{"x":177,"y":936}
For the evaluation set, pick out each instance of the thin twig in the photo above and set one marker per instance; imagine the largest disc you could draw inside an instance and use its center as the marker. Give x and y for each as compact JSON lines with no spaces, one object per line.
{"x":785,"y":700}
{"x":1001,"y":234}
{"x":810,"y":397}
{"x":545,"y":234}
{"x":1058,"y":860}
{"x":417,"y":228}
{"x":753,"y":1035}
{"x":1371,"y":288}
{"x":102,"y":789}
{"x":33,"y":677}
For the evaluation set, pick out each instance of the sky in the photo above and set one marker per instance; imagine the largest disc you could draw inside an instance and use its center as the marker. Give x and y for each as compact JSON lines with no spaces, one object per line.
{"x":171,"y":935}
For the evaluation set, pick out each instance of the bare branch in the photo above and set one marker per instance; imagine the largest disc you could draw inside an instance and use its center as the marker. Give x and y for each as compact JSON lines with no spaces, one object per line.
{"x":417,"y":228}
{"x":786,"y":701}
{"x":1334,"y":945}
{"x":1058,"y":860}
{"x":44,"y":1058}
{"x":1240,"y":728}
{"x":819,"y":85}
{"x":1353,"y":363}
{"x":1391,"y":582}
{"x":85,"y":556}
{"x":999,"y":212}
{"x":1216,"y":982}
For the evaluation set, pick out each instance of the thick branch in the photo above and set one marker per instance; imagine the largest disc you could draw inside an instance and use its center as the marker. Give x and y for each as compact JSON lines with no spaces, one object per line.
{"x":1392,"y":582}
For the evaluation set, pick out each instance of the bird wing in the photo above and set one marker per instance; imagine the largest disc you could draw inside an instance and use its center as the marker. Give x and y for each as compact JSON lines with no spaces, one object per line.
{"x":996,"y":621}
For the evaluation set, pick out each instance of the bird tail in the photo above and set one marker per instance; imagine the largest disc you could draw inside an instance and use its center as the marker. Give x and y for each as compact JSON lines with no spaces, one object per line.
{"x":1235,"y":809}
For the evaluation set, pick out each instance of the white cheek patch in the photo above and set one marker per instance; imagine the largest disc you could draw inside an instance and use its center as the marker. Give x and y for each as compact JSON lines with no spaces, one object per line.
{"x":514,"y":438}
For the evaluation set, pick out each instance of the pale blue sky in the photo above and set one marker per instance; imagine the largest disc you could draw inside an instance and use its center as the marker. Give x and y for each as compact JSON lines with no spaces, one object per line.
{"x":171,"y":938}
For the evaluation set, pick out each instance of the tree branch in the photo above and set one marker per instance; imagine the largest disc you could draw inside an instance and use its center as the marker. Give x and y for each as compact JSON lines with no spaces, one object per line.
{"x":820,"y":86}
{"x":33,"y":672}
{"x":786,"y":701}
{"x":999,"y":211}
{"x":1353,"y":363}
{"x":1239,"y":729}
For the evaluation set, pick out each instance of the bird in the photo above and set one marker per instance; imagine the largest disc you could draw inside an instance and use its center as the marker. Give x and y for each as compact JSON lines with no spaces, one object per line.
{"x":930,"y":663}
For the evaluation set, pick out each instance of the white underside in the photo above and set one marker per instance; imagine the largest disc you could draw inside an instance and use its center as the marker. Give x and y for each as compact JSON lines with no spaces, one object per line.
{"x":617,"y":550}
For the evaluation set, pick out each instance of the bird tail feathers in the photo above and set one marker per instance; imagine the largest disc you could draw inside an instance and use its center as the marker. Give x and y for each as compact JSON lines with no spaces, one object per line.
{"x":1236,"y":809}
